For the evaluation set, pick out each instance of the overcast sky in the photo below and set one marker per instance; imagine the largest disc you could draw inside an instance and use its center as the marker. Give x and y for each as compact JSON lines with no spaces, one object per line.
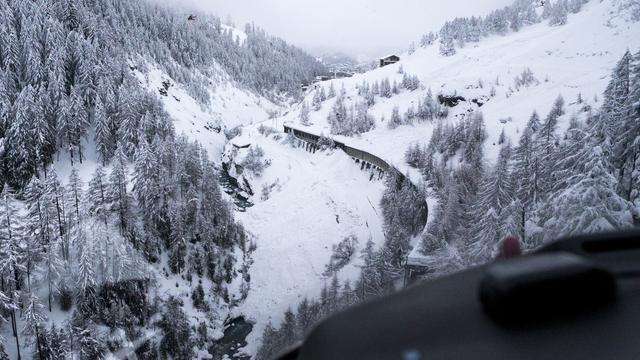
{"x":355,"y":27}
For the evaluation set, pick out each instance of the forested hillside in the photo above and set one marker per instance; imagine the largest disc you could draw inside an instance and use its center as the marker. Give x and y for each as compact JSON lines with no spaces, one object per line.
{"x":86,"y":261}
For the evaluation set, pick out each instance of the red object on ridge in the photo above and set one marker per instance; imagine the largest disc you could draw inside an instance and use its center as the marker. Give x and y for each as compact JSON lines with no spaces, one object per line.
{"x":510,"y":247}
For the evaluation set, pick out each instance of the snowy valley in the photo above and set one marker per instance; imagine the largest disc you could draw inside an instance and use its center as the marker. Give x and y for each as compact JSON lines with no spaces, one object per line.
{"x":170,"y":191}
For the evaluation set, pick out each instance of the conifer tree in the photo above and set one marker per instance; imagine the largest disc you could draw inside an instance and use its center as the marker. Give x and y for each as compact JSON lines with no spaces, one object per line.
{"x":304,"y":114}
{"x":589,"y":205}
{"x":85,"y":277}
{"x":104,"y":135}
{"x":559,"y":13}
{"x":74,"y":197}
{"x":11,"y":266}
{"x":20,"y":152}
{"x":447,"y":47}
{"x":494,"y":197}
{"x":316,"y":103}
{"x":55,"y":198}
{"x":338,"y":116}
{"x":547,"y":143}
{"x":395,"y":120}
{"x":33,"y":321}
{"x":120,"y":200}
{"x":627,"y":151}
{"x":332,"y":92}
{"x":547,"y":9}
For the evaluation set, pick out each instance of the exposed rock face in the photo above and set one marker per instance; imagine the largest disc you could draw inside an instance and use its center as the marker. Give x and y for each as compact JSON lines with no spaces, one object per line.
{"x":450,"y":100}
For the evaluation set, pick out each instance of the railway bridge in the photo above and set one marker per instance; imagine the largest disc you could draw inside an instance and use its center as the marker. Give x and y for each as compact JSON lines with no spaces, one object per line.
{"x":378,"y":166}
{"x":366,"y":160}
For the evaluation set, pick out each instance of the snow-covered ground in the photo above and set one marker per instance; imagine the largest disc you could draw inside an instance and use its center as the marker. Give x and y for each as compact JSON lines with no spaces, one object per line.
{"x":317,"y":200}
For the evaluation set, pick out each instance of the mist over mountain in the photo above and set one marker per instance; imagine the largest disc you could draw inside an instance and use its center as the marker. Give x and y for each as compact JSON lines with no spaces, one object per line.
{"x":176,"y":185}
{"x":371,"y":28}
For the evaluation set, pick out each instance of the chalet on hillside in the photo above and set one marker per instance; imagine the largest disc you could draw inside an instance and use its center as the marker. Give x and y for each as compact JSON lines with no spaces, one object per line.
{"x":388,"y":60}
{"x":321,"y":78}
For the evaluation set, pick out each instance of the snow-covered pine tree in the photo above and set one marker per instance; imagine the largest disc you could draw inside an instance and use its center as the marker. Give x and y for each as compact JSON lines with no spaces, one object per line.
{"x":56,"y":205}
{"x":323,"y":95}
{"x":447,"y":46}
{"x":627,"y":150}
{"x":515,"y":21}
{"x":534,"y":123}
{"x":117,"y":194}
{"x":177,"y":341}
{"x":271,"y":344}
{"x":559,"y":13}
{"x":547,"y":143}
{"x":332,"y":92}
{"x":513,"y":223}
{"x":412,"y":48}
{"x":40,"y":227}
{"x":447,"y":215}
{"x":589,"y":205}
{"x":74,"y":196}
{"x":497,"y":22}
{"x":85,"y":276}
{"x":304,"y":114}
{"x":76,"y":121}
{"x":98,"y":209}
{"x":427,"y":39}
{"x":316,"y":103}
{"x":20,"y":153}
{"x":570,"y":155}
{"x":614,"y":113}
{"x":502,"y":138}
{"x":363,"y":121}
{"x":34,"y":319}
{"x":44,"y":131}
{"x":7,"y":305}
{"x":576,"y":5}
{"x":474,"y":31}
{"x":495,"y":195}
{"x":385,"y":88}
{"x":105,"y":143}
{"x":527,"y":12}
{"x":11,"y":234}
{"x":395,"y":120}
{"x":526,"y":170}
{"x":547,"y":9}
{"x":11,"y":266}
{"x":338,"y":116}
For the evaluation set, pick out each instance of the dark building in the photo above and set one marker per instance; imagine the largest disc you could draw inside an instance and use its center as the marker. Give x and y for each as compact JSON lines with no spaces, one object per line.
{"x":388,"y":60}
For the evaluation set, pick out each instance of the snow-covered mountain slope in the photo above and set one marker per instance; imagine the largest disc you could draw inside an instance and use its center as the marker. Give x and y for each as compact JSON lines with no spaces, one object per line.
{"x":570,"y":60}
{"x":314,"y":201}
{"x":305,"y":203}
{"x":566,"y":60}
{"x":230,"y":106}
